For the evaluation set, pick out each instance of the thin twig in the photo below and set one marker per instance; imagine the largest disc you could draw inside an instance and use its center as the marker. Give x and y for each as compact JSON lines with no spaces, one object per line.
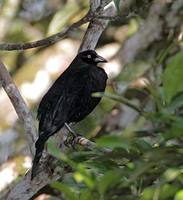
{"x":46,"y":41}
{"x":97,"y":20}
{"x":121,"y":100}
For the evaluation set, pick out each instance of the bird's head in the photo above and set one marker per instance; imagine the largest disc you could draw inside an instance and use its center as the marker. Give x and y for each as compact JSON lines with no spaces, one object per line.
{"x":91,"y":57}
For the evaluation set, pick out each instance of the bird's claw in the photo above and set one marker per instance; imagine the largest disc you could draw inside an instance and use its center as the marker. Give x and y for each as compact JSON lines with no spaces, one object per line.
{"x":72,"y":141}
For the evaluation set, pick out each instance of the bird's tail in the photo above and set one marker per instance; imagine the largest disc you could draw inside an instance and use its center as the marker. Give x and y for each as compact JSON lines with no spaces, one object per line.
{"x":39,"y":145}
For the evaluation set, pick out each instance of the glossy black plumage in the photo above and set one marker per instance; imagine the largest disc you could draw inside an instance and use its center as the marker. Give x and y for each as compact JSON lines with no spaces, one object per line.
{"x":69,"y":98}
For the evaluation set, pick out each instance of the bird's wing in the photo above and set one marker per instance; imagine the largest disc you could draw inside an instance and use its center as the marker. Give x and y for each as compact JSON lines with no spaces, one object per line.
{"x":55,"y":105}
{"x":54,"y":98}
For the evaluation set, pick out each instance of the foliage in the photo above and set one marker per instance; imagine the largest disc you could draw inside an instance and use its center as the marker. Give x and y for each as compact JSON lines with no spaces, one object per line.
{"x":146,"y":168}
{"x":117,"y":2}
{"x":145,"y":158}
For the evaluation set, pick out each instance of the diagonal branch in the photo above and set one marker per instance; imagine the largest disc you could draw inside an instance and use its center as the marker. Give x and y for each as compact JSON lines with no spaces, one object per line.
{"x":19,"y":105}
{"x":97,"y":25}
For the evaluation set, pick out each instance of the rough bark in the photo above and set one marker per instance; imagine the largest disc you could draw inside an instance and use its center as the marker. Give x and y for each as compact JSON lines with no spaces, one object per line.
{"x":20,"y":106}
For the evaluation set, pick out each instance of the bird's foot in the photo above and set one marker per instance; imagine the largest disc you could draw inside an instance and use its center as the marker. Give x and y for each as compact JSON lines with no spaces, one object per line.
{"x":72,"y":140}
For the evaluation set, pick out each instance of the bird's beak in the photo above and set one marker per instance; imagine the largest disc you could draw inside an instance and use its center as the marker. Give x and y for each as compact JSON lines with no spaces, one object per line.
{"x":99,"y":59}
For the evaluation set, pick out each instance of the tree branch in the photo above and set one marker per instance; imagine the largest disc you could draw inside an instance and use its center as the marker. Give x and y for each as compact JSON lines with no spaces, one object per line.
{"x":46,"y":41}
{"x":101,"y":24}
{"x":19,"y":105}
{"x":97,"y":25}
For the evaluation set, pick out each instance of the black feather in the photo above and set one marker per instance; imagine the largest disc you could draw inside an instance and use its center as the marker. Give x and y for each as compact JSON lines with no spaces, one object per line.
{"x":69,"y":98}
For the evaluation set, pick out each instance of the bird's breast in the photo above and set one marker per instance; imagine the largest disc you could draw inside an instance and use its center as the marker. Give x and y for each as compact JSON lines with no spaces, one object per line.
{"x":98,"y":79}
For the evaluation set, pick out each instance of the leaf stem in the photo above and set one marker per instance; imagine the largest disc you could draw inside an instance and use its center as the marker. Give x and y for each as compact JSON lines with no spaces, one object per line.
{"x":121,"y":100}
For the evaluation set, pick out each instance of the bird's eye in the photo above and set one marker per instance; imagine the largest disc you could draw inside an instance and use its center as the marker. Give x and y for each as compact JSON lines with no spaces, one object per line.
{"x":88,"y":56}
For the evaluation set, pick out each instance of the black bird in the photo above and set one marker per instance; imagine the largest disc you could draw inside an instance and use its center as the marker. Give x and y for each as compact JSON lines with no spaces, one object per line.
{"x":70,"y":98}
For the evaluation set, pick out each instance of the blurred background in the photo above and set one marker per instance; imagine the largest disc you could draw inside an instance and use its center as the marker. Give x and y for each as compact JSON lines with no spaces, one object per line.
{"x":34,"y":70}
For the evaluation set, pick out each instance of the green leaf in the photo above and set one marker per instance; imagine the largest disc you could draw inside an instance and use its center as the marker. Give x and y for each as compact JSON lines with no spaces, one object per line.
{"x":172,"y":78}
{"x":59,"y":155}
{"x":85,"y":195}
{"x":116,"y":2}
{"x":118,"y":99}
{"x":167,"y":191}
{"x":175,"y":131}
{"x":54,"y":151}
{"x":163,"y":192}
{"x":82,"y":175}
{"x":69,"y":192}
{"x":147,"y":193}
{"x":113,"y":142}
{"x":140,"y":169}
{"x":171,"y":174}
{"x":176,"y":103}
{"x":179,"y":195}
{"x":80,"y":168}
{"x":133,"y":70}
{"x":109,"y":179}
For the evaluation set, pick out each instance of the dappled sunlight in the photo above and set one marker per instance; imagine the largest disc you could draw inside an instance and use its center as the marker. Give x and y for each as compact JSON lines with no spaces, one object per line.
{"x":7,"y":174}
{"x":32,"y":91}
{"x":112,"y":68}
{"x":10,"y":170}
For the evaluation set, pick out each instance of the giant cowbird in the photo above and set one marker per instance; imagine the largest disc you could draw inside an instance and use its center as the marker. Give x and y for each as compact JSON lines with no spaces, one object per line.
{"x":70,"y":98}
